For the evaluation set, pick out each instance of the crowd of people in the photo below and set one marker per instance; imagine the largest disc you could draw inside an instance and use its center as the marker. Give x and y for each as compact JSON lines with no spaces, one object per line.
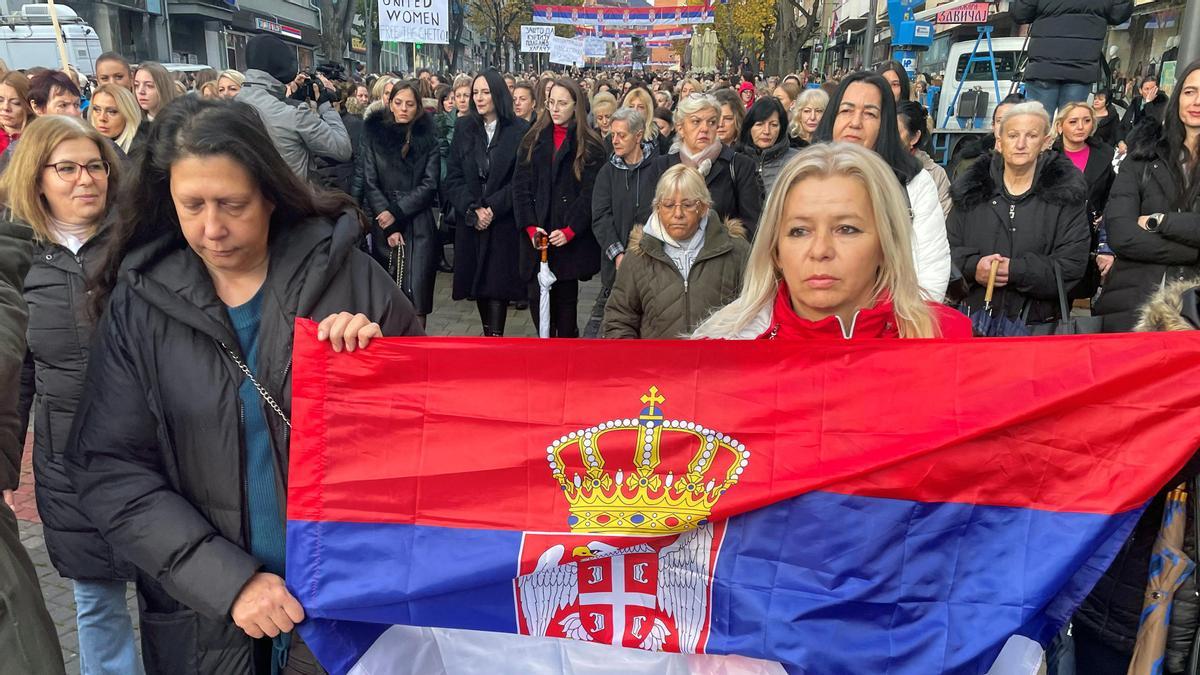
{"x":161,"y":236}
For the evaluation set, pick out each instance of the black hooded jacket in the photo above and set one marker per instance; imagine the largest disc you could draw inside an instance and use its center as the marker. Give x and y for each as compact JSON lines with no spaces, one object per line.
{"x":1044,"y":227}
{"x":1066,"y":39}
{"x":621,"y":201}
{"x":60,"y":329}
{"x":1146,"y":260}
{"x":156,"y":447}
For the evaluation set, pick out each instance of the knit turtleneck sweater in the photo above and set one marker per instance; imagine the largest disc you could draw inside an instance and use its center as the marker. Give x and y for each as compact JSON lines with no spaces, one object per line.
{"x":560,"y":136}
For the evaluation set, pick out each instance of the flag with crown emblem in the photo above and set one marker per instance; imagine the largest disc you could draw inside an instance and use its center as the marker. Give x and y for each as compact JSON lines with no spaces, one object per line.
{"x":903,"y":506}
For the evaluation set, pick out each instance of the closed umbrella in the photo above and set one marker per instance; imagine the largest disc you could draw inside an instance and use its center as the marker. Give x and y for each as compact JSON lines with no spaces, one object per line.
{"x":545,"y":279}
{"x":1168,"y":569}
{"x":986,"y":322}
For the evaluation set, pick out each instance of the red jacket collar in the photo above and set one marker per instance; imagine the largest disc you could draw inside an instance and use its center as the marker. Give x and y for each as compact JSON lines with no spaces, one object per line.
{"x":874,"y":322}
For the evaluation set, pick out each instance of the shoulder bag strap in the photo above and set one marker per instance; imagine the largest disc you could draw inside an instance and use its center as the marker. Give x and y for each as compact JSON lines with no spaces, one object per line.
{"x":262,"y":391}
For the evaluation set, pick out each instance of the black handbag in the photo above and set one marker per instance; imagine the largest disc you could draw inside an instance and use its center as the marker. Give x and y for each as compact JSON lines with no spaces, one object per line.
{"x":1066,"y":324}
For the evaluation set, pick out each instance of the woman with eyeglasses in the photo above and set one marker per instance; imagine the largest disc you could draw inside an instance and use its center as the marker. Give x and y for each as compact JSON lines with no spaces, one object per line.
{"x":557,"y":163}
{"x":681,"y":266}
{"x":59,"y":184}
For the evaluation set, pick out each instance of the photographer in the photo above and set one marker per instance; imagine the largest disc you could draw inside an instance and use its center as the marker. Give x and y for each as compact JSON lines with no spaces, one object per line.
{"x":301,"y":130}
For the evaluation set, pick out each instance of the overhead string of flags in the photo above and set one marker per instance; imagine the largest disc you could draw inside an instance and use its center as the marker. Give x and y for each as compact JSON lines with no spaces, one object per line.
{"x":623,"y":16}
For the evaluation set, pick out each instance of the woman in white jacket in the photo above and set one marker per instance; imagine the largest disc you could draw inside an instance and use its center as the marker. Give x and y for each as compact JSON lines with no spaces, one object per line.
{"x":863,"y":112}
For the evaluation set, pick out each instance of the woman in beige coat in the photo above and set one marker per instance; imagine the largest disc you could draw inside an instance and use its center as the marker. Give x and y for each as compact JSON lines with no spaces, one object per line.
{"x":682,"y":265}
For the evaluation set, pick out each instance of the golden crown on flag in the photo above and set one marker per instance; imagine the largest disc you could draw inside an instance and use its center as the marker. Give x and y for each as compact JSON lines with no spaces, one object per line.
{"x":638,"y":498}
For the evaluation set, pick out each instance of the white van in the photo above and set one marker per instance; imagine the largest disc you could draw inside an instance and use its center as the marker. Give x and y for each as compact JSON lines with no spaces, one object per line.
{"x":1010,"y":61}
{"x":27,"y":39}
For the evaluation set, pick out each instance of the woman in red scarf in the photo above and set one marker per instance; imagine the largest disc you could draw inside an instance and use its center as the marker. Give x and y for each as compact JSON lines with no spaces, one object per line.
{"x":832,"y":259}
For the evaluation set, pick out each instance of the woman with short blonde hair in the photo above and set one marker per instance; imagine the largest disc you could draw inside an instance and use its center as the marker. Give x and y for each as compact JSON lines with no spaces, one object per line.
{"x":1065,"y":112}
{"x":115,"y":113}
{"x":381,"y":88}
{"x":604,"y":105}
{"x":833,"y":258}
{"x":689,"y":86}
{"x":229,"y":83}
{"x":806,"y":114}
{"x":1076,"y":138}
{"x":681,"y":265}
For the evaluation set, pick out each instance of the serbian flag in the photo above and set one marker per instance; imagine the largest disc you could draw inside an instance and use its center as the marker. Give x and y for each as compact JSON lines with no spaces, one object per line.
{"x":902,"y":506}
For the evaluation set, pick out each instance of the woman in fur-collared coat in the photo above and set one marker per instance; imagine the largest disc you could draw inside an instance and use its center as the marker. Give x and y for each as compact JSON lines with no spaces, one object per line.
{"x":401,"y":172}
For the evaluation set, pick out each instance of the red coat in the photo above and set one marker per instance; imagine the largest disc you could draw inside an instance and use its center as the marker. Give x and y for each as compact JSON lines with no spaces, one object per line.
{"x":875,"y":322}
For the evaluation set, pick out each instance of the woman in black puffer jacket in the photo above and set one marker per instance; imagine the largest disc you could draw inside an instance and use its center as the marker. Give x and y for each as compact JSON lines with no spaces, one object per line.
{"x":66,"y":206}
{"x":401,"y":171}
{"x":1153,"y":212}
{"x":1031,"y":233}
{"x":178,"y":457}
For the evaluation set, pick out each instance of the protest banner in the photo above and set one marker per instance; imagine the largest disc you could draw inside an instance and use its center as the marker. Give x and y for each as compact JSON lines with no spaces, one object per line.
{"x":594,"y":47}
{"x":414,"y":21}
{"x":566,"y":51}
{"x":536,"y":39}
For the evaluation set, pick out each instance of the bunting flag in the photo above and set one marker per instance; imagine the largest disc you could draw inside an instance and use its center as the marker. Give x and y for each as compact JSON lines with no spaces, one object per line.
{"x":622,"y":16}
{"x":665,"y":34}
{"x":884,"y":507}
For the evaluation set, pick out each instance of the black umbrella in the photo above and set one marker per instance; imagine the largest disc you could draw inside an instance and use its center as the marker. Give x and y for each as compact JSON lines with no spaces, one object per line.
{"x":986,"y":322}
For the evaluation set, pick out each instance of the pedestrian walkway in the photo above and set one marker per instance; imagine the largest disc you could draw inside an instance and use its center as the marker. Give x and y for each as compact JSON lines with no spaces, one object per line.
{"x":449,"y":318}
{"x":461,"y":318}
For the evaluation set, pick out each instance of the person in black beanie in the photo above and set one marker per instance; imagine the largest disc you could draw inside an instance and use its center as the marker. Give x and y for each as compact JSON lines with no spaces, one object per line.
{"x":301,"y":130}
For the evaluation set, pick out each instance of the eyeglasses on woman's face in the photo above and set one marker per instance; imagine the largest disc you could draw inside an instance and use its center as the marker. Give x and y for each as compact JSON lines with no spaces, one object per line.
{"x":71,"y":171}
{"x":688,"y":205}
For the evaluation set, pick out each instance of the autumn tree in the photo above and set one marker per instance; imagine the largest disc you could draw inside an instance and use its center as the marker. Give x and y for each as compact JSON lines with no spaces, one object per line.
{"x":498,"y":19}
{"x":742,"y":27}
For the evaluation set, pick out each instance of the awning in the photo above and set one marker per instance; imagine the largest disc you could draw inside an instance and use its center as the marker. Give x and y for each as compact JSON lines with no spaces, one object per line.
{"x":220,"y":12}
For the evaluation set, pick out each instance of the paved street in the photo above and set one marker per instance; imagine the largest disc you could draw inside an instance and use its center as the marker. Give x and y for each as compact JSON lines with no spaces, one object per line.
{"x":449,"y":318}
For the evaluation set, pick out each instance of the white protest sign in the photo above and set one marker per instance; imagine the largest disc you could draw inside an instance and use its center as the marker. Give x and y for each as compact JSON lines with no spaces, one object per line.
{"x":566,"y":51}
{"x":536,"y":39}
{"x":414,"y":21}
{"x":594,"y":47}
